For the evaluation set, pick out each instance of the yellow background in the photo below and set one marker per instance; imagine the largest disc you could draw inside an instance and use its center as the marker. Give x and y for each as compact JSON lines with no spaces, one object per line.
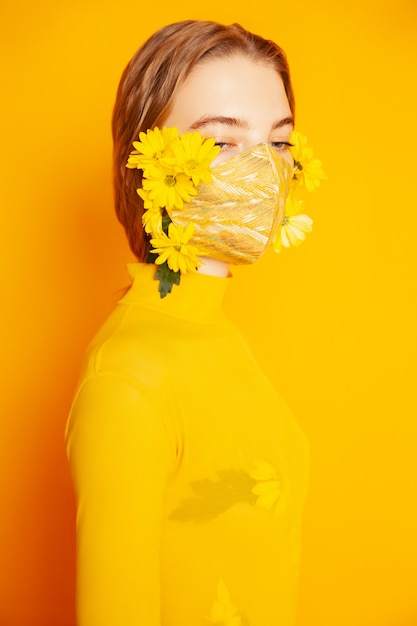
{"x":333,"y":321}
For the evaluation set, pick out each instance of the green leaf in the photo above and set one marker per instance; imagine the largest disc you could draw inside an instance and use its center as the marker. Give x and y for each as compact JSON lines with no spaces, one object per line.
{"x":150,"y":257}
{"x":166,"y":221}
{"x":167,"y":278}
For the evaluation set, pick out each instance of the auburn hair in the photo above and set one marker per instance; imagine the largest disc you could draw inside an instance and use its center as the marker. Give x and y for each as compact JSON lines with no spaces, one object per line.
{"x":149,"y":84}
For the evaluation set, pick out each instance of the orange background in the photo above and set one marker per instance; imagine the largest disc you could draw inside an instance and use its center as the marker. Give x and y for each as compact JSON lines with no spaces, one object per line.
{"x":333,"y":322}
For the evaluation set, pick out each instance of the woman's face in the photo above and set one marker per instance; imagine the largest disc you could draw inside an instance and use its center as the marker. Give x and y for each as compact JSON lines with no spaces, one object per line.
{"x":237,"y":101}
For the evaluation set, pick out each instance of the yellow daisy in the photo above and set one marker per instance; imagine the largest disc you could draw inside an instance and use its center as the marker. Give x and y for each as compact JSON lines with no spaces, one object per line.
{"x":152,"y":221}
{"x":295,"y":225}
{"x":194,"y":155}
{"x":153,"y":146}
{"x":223,"y":612}
{"x":268,"y":488}
{"x":148,"y":203}
{"x":308,"y":170}
{"x":167,"y":187}
{"x":175,"y":249}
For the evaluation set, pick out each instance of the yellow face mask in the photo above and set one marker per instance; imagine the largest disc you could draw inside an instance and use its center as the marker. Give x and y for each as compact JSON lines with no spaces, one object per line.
{"x":238,"y":214}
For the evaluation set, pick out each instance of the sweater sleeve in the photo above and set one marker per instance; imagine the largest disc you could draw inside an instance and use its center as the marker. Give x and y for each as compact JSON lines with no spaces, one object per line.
{"x":120,"y":454}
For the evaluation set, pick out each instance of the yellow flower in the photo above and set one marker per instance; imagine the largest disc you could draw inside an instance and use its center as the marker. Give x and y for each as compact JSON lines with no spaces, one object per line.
{"x":167,"y":187}
{"x":268,"y":488}
{"x":152,"y":217}
{"x":152,"y":221}
{"x":223,"y":612}
{"x":295,"y":225}
{"x":154,"y":146}
{"x":194,"y":155}
{"x":308,"y":171}
{"x":147,"y":202}
{"x":175,"y":249}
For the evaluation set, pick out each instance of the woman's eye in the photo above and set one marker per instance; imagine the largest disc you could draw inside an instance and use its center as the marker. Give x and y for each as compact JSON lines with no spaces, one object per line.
{"x":281,"y":145}
{"x":222,"y":144}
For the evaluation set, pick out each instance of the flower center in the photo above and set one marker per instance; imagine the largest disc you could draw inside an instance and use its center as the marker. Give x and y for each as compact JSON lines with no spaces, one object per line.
{"x":191,"y":163}
{"x":285,"y":220}
{"x":170,"y":181}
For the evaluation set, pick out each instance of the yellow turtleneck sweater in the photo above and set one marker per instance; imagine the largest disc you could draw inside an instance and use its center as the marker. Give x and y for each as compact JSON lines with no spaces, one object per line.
{"x":189,"y":471}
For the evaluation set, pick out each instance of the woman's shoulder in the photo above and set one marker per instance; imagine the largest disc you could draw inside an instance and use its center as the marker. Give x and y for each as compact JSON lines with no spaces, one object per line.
{"x":127,"y":344}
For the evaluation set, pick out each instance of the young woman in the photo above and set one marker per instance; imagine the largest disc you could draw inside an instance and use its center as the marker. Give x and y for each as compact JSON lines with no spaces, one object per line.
{"x":190,"y":472}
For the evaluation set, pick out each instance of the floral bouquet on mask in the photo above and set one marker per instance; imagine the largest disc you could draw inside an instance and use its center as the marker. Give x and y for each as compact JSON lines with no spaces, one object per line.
{"x":182,"y":227}
{"x":308,"y":174}
{"x":173,"y":167}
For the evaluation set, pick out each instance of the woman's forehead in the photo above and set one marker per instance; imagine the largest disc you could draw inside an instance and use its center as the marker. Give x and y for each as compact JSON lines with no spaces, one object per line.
{"x":234,"y":88}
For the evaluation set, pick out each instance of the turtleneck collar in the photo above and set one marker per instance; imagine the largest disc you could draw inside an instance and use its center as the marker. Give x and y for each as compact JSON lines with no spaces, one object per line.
{"x":198,"y":298}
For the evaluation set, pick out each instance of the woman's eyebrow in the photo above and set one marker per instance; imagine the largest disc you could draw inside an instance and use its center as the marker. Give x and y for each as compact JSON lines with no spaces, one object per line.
{"x":235,"y":122}
{"x":208,"y":120}
{"x":286,"y":121}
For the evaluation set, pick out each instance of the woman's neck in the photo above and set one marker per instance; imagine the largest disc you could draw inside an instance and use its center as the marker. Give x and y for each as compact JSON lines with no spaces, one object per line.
{"x":213,"y":267}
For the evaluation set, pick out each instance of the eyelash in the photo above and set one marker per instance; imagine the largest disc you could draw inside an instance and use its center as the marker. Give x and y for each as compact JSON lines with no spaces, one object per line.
{"x":281,"y":145}
{"x":222,"y":144}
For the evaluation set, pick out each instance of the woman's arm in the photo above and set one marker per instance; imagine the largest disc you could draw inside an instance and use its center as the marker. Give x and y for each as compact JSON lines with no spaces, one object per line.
{"x":120,"y":455}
